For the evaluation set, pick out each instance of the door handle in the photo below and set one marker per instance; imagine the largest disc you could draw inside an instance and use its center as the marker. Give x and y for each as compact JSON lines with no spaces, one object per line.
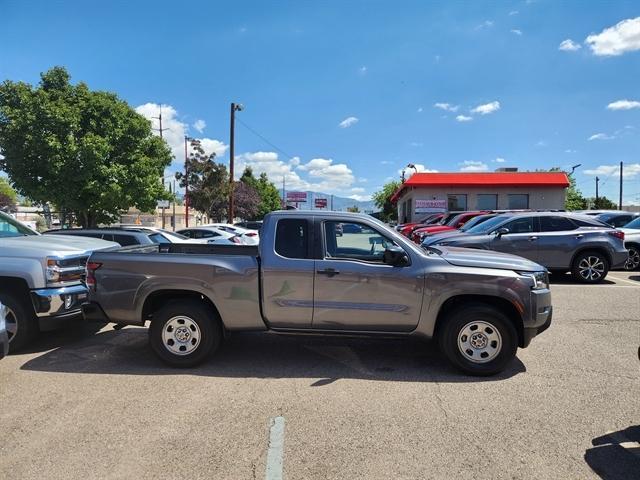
{"x":579,"y":235}
{"x":533,"y":239}
{"x":330,"y":272}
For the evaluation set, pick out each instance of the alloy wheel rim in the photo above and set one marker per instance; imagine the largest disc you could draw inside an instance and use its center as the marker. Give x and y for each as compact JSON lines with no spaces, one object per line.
{"x":11,"y":324}
{"x":479,"y":341}
{"x":591,"y":268}
{"x":633,"y":262}
{"x":181,"y":335}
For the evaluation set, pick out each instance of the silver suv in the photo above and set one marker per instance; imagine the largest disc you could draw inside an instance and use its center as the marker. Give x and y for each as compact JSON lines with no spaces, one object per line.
{"x":561,"y":242}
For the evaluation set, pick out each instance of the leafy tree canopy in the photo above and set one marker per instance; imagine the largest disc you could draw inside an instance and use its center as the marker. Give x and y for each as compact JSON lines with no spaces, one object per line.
{"x":8,"y":196}
{"x":269,"y":196}
{"x":87,"y":152}
{"x":603,"y":203}
{"x":382,"y":200}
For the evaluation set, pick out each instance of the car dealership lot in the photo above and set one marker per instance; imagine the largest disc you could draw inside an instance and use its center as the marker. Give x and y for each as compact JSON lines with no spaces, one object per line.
{"x":79,"y":405}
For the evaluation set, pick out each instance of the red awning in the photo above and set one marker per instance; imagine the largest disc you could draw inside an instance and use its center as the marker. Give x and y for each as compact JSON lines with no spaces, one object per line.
{"x":485,"y":179}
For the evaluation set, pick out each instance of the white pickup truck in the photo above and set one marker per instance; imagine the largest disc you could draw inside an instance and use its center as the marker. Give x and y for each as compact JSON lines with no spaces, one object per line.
{"x":41,"y":279}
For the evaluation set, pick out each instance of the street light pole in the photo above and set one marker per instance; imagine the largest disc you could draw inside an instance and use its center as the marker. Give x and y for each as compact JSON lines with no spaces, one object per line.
{"x":186,"y":182}
{"x":235,"y":107}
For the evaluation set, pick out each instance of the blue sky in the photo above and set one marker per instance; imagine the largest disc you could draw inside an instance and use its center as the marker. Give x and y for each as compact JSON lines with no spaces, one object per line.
{"x":347,"y":91}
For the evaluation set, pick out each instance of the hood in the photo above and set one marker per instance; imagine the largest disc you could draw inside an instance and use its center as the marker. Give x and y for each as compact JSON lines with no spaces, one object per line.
{"x":468,"y":257}
{"x":437,"y":229}
{"x":52,"y":245}
{"x":454,"y":236}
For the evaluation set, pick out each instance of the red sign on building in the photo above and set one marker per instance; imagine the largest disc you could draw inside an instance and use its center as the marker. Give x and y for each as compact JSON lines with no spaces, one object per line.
{"x":320,"y":203}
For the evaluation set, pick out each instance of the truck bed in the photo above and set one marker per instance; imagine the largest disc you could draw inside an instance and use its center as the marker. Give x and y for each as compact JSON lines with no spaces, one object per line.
{"x":226,"y":275}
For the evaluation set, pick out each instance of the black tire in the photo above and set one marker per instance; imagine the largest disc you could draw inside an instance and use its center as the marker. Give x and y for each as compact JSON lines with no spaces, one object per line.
{"x":199,"y":323}
{"x":633,"y":263}
{"x":23,"y":326}
{"x":582,"y":260}
{"x":459,"y":319}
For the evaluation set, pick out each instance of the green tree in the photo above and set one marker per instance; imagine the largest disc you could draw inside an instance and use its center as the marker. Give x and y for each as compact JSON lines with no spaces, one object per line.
{"x":8,"y":196}
{"x":574,"y":200}
{"x":208,"y":184}
{"x":88,"y":152}
{"x":353,"y":209}
{"x":269,"y":196}
{"x":382,"y":200}
{"x":603,"y":203}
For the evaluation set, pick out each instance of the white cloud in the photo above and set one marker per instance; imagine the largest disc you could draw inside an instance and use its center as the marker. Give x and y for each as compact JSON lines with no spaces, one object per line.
{"x":485,"y":24}
{"x":569,"y":150}
{"x":600,"y":136}
{"x":420,"y":169}
{"x":487,"y":108}
{"x":347,"y":122}
{"x":471,"y":166}
{"x":542,"y":143}
{"x":499,"y":160}
{"x":420,"y":109}
{"x":513,"y":12}
{"x":569,"y":45}
{"x":385,"y":162}
{"x":363,"y":180}
{"x":463,"y":118}
{"x":175,"y":132}
{"x":629,"y":171}
{"x":360,"y":198}
{"x":447,"y":107}
{"x":416,"y":144}
{"x":623,"y":105}
{"x":516,"y":31}
{"x":199,"y":125}
{"x":362,"y":70}
{"x":357,"y":190}
{"x":613,"y":41}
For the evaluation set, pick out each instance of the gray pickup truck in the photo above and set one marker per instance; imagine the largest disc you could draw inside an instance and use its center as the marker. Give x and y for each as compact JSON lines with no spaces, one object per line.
{"x":307,"y":277}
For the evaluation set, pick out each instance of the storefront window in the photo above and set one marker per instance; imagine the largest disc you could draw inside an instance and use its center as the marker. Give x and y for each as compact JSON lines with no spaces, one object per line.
{"x":487,"y":201}
{"x":518,"y":201}
{"x":456,"y":202}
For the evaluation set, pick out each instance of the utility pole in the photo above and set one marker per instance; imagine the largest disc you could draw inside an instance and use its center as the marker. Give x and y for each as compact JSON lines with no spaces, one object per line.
{"x":597,"y":202}
{"x":284,"y":193}
{"x":235,"y":107}
{"x":186,"y":181}
{"x":173,"y":218}
{"x":620,"y":200}
{"x":159,"y":118}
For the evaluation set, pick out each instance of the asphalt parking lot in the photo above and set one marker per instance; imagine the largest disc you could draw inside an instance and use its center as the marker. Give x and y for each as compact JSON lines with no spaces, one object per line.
{"x":84,"y":404}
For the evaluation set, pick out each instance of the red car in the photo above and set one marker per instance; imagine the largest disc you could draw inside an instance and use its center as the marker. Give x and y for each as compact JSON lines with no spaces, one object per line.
{"x":431,"y":219}
{"x":453,"y":224}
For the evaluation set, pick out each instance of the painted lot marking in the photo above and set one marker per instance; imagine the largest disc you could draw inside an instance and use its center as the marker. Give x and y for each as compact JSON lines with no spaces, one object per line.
{"x":274,"y":454}
{"x":618,"y":279}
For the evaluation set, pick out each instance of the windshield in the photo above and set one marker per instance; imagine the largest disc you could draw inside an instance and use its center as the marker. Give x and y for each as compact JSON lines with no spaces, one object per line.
{"x":9,"y":227}
{"x":487,"y":226}
{"x":633,"y":224}
{"x":475,"y":221}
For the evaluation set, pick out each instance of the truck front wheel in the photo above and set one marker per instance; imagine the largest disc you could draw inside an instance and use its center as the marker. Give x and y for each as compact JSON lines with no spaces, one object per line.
{"x":478,"y":339}
{"x":184,"y":333}
{"x":22,"y":326}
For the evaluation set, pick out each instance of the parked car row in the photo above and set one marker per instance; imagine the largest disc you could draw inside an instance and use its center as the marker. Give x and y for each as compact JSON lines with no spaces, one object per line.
{"x":561,"y":242}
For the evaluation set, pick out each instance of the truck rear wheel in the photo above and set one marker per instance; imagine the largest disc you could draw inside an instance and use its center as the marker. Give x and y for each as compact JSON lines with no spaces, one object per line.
{"x":478,"y":339}
{"x":590,"y":267}
{"x":184,"y":333}
{"x":22,"y":326}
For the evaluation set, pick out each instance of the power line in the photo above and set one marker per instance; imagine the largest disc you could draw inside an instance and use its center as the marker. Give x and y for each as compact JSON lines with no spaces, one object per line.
{"x":264,"y":139}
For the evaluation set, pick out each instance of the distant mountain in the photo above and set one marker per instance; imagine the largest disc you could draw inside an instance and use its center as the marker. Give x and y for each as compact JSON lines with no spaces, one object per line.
{"x":334,"y":202}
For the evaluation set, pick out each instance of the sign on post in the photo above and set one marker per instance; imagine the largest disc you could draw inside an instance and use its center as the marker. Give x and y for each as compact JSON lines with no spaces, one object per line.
{"x":163,"y":203}
{"x":320,"y":203}
{"x":296,"y":197}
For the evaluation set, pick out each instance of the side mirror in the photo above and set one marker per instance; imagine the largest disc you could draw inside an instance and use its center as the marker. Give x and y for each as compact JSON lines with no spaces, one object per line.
{"x":501,"y":231}
{"x":395,"y":256}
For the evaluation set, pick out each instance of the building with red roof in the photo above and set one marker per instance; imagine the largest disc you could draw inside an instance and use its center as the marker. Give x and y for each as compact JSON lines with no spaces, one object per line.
{"x":501,"y":190}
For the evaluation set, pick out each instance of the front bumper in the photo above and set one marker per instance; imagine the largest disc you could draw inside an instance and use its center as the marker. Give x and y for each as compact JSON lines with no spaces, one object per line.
{"x":540,"y":317}
{"x":55,"y":307}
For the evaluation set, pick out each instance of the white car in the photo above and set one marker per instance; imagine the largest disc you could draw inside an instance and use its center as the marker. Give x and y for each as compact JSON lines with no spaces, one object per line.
{"x":210,"y":235}
{"x":632,"y":243}
{"x":247,"y":236}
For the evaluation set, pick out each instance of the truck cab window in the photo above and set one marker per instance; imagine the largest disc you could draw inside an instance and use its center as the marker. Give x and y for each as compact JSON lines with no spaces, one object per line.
{"x":292,"y":238}
{"x":354,"y":241}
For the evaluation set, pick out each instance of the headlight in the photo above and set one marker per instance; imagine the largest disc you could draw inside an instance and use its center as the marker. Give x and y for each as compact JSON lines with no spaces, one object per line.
{"x":61,"y":271}
{"x":540,"y":279}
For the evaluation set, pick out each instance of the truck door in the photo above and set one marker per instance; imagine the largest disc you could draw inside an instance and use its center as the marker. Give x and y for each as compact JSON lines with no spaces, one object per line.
{"x":521,"y":239}
{"x":355,"y":290}
{"x":288,"y":274}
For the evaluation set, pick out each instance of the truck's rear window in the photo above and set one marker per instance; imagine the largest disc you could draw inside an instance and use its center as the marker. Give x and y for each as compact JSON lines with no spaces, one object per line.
{"x":292,"y":238}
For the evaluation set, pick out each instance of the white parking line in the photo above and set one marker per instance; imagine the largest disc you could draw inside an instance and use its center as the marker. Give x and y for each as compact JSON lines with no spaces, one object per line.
{"x":632,"y":282}
{"x":274,"y":454}
{"x":602,"y":285}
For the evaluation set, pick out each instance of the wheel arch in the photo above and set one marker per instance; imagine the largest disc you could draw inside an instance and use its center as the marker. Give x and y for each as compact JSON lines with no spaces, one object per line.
{"x":159,"y":298}
{"x":502,"y":304}
{"x":596,"y":248}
